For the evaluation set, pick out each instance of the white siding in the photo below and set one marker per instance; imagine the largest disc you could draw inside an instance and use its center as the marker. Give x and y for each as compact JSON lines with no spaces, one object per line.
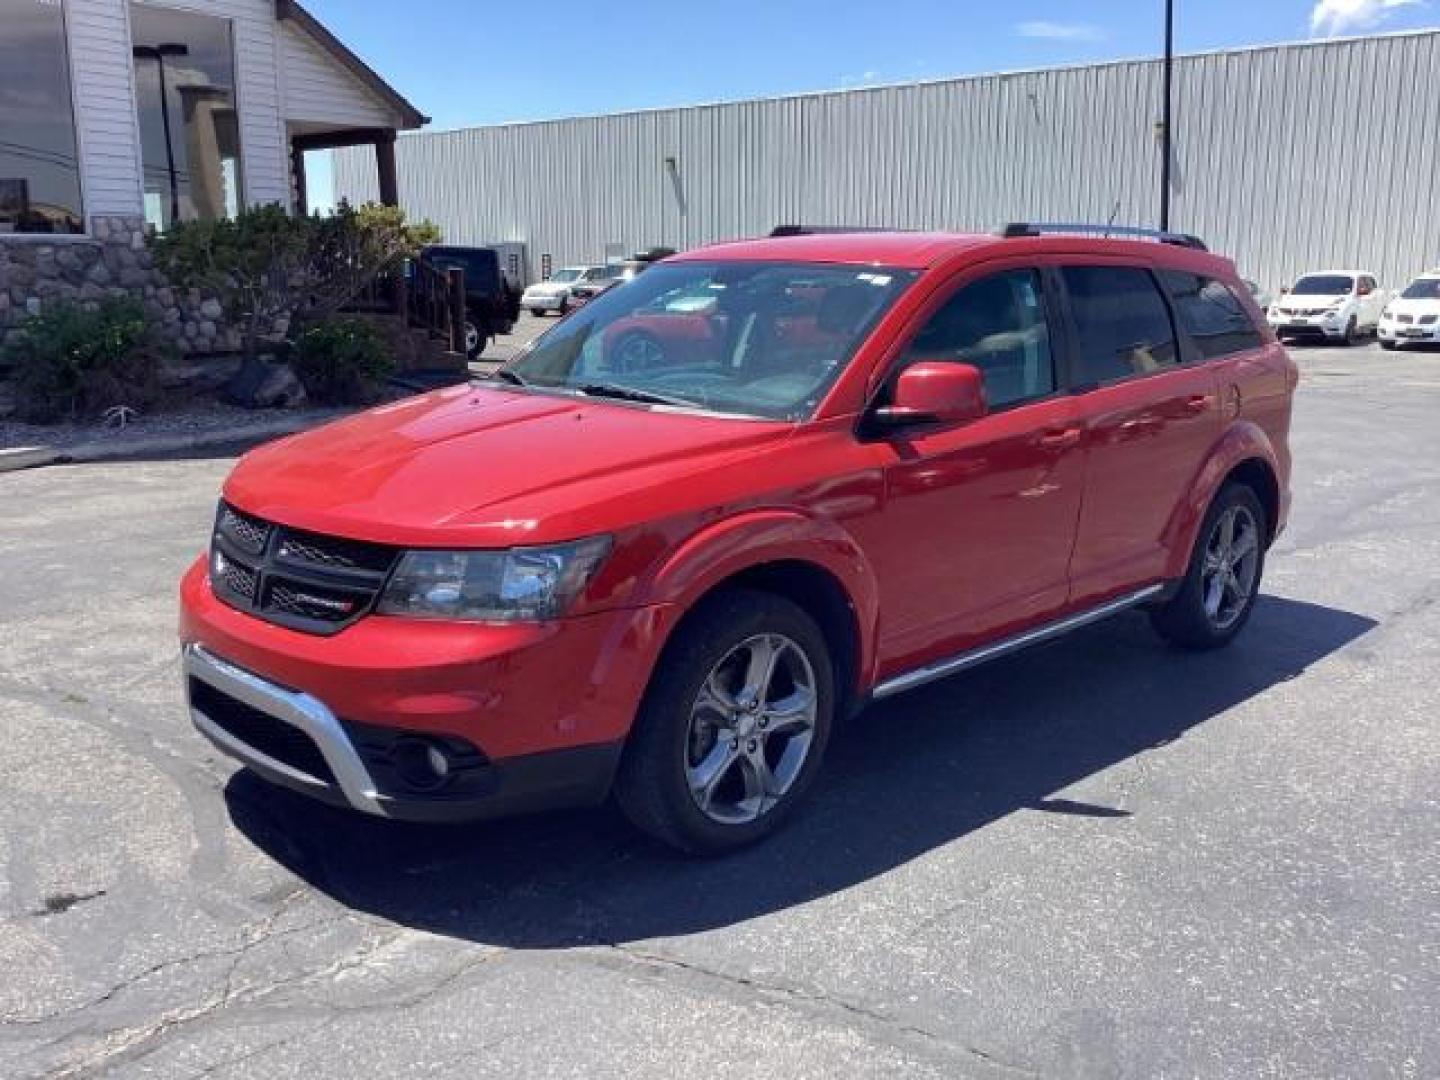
{"x":1286,"y":158}
{"x":318,"y":89}
{"x":104,"y":96}
{"x":263,"y":142}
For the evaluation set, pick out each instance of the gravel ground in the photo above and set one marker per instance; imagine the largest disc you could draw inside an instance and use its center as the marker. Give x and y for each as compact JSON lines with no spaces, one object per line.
{"x":1101,"y":858}
{"x":209,"y":418}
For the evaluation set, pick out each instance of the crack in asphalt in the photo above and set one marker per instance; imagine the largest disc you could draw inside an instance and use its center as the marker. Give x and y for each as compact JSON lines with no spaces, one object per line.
{"x":806,"y":999}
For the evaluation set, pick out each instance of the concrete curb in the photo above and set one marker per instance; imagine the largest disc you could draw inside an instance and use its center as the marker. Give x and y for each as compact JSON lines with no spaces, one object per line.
{"x":31,"y":457}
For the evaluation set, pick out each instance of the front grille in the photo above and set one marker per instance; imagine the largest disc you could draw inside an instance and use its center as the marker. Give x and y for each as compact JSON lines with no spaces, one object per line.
{"x":327,"y":605}
{"x":317,"y":584}
{"x":329,"y":551}
{"x":248,"y":533}
{"x":236,"y":578}
{"x":269,"y":735}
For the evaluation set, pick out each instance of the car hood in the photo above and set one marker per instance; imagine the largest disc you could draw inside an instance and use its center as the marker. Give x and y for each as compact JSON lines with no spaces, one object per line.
{"x":1311,"y":301}
{"x":1423,"y":306}
{"x":480,"y":467}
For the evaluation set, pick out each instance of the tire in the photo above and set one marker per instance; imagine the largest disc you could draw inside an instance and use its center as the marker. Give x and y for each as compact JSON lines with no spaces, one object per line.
{"x":563,"y":309}
{"x":536,"y":312}
{"x":1388,"y":346}
{"x":1351,"y":332}
{"x":474,"y":341}
{"x":702,"y":771}
{"x":635,"y":352}
{"x":1192,"y":618}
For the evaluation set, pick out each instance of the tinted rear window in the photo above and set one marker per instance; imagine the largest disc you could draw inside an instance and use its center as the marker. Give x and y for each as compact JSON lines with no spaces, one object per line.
{"x":481,"y":265}
{"x":1121,"y":320}
{"x":1211,"y":314}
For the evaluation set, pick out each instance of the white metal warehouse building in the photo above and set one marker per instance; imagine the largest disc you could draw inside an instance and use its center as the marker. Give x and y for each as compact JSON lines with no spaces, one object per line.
{"x":1288,"y":158}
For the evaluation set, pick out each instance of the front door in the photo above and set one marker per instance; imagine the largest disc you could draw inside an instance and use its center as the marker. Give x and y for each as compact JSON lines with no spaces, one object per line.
{"x":1150,"y":419}
{"x":979,"y":518}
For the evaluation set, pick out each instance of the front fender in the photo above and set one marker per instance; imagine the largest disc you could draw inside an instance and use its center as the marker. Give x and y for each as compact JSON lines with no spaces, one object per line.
{"x":1243,"y":441}
{"x":756,"y":538}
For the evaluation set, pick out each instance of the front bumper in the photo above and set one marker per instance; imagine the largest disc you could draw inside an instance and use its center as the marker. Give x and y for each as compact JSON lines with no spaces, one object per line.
{"x":545,"y":303}
{"x":1312,"y":326}
{"x":536,"y":713}
{"x":233,"y":707}
{"x":1409,"y":333}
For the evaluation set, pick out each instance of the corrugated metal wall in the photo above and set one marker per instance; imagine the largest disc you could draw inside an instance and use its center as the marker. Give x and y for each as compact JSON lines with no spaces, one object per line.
{"x":1287,"y":158}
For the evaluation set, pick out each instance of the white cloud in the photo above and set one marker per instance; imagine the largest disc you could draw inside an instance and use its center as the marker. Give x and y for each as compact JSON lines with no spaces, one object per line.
{"x":1345,"y":16}
{"x":1054,"y":31}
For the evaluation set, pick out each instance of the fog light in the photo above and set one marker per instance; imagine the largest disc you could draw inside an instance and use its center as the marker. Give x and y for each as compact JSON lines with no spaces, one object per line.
{"x":438,"y":762}
{"x":422,"y":764}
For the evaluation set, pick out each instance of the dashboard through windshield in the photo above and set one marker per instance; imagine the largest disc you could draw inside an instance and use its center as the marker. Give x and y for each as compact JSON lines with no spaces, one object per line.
{"x":748,"y":338}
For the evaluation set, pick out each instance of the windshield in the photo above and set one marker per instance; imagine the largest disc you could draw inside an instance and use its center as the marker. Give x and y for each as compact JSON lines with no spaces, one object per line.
{"x":754,"y":339}
{"x":1324,"y":285}
{"x":570,"y":273}
{"x":1425,"y":288}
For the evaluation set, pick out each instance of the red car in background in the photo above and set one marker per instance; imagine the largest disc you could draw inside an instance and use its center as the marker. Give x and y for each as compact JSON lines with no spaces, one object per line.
{"x":840,"y":466}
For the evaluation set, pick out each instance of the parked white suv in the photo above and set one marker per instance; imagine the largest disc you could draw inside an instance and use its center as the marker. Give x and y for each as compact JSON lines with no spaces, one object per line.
{"x":1413,"y":316}
{"x":555,"y":294}
{"x":1335,"y":305}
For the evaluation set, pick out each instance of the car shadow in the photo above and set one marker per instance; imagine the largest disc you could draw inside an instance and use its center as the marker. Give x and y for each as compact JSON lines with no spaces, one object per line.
{"x":909,"y":775}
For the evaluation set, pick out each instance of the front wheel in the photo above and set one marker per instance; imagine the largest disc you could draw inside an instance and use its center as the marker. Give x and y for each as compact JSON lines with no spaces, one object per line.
{"x":1388,"y":346}
{"x":733,"y":727}
{"x":1352,"y":332}
{"x":1220,"y":586}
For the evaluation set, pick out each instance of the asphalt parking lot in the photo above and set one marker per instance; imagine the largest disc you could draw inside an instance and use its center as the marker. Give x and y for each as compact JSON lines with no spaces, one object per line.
{"x":1101,"y":858}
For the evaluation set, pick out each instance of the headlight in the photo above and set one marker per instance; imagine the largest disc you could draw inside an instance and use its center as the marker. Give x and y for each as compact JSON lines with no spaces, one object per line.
{"x":518,"y":585}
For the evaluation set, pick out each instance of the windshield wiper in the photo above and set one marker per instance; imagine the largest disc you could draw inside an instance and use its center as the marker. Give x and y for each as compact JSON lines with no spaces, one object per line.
{"x":630,"y":393}
{"x":505,"y":375}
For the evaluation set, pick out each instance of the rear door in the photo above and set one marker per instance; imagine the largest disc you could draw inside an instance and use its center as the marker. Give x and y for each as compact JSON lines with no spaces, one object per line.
{"x":1150,"y":410}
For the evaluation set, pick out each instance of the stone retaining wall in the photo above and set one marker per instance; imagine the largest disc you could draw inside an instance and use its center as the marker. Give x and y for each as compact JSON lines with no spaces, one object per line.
{"x":112,"y":261}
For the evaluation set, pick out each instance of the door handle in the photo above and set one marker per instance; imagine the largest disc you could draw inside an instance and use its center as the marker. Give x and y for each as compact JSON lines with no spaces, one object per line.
{"x":1060,"y":440}
{"x":1197,"y":402}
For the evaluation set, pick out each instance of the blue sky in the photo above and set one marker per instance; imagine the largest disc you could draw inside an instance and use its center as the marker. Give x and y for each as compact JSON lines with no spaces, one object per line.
{"x":464,"y":62}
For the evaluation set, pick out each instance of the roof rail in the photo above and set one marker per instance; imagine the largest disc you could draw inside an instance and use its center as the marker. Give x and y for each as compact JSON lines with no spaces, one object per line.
{"x":1040,"y":228}
{"x":812,"y":230}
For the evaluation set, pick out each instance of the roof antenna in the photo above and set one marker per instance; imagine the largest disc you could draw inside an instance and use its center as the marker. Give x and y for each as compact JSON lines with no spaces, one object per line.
{"x":1114,"y":213}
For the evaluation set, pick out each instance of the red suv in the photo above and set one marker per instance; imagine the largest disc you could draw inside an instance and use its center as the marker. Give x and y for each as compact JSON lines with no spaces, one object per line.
{"x":841,"y":465}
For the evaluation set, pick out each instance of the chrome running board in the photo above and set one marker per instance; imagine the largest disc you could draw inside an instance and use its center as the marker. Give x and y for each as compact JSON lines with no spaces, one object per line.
{"x":975,"y":657}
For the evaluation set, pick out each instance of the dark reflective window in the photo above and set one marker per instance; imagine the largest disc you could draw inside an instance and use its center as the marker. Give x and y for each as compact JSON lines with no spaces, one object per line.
{"x":1211,"y":314}
{"x":185,"y":97}
{"x":1121,"y":321}
{"x":998,"y":325}
{"x":39,"y":171}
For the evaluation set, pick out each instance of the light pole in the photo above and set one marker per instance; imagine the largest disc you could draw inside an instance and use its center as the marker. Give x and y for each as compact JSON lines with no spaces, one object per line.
{"x":1165,"y":116}
{"x":158,"y":53}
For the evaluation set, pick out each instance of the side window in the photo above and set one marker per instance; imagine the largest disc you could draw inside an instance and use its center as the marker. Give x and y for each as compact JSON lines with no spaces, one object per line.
{"x":997,"y":324}
{"x":1121,"y":321}
{"x":1211,"y":314}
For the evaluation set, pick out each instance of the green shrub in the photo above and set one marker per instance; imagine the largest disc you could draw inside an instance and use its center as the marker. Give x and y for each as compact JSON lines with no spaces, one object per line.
{"x":269,"y":269}
{"x":74,"y":363}
{"x":341,"y":361}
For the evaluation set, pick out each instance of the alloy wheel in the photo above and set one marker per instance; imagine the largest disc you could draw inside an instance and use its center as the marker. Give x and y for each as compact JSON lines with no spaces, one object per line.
{"x":639,"y":352}
{"x":1232,"y":560}
{"x":751,"y":729}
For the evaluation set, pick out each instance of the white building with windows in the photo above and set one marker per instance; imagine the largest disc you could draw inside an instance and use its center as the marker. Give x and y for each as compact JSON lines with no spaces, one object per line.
{"x":118,"y":116}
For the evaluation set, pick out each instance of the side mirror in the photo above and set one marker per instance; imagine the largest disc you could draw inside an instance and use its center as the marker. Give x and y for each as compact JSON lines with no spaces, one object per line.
{"x":1364,"y":290}
{"x":935,"y":392}
{"x":1284,"y":289}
